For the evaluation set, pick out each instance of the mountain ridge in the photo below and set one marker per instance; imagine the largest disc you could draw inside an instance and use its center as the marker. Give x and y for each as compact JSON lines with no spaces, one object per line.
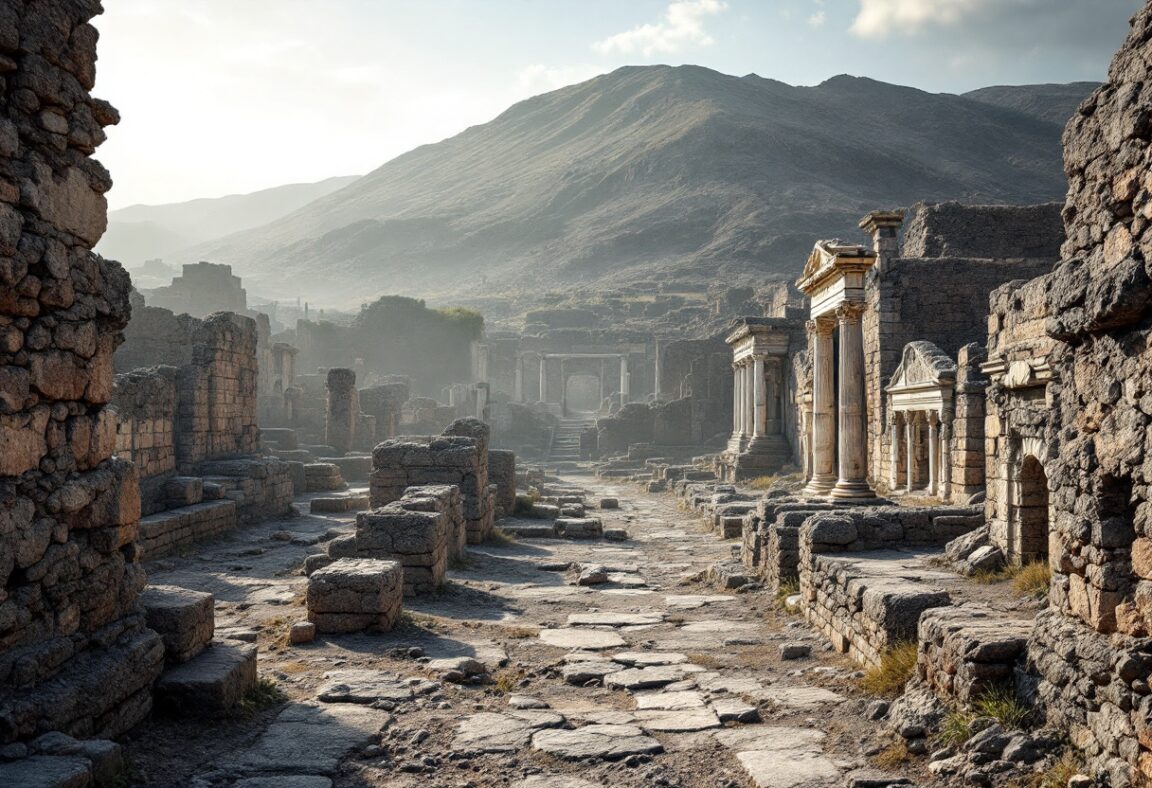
{"x":652,"y":168}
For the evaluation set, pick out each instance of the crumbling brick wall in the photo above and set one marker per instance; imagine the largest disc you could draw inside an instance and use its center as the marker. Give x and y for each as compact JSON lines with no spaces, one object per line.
{"x":75,"y":654}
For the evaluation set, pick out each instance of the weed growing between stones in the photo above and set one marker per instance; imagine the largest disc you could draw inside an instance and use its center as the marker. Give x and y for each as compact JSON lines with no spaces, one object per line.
{"x":893,"y":755}
{"x":500,"y":538}
{"x":1001,"y":704}
{"x":264,"y":695}
{"x":897,"y":665}
{"x":956,"y":728}
{"x":787,"y":588}
{"x":1059,"y":774}
{"x":1033,"y":579}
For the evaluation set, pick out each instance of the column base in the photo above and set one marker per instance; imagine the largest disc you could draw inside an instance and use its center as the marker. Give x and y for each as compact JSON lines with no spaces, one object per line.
{"x":819,"y":486}
{"x":852,"y":490}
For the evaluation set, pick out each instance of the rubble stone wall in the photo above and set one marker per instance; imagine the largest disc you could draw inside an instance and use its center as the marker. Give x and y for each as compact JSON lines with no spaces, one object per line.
{"x":952,"y":229}
{"x":502,"y":473}
{"x":145,"y":402}
{"x":75,"y":655}
{"x":459,"y":457}
{"x":1097,"y":304}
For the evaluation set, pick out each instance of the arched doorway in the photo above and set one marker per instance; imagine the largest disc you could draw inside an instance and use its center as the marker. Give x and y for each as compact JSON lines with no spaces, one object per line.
{"x":582,"y":393}
{"x":1031,"y":512}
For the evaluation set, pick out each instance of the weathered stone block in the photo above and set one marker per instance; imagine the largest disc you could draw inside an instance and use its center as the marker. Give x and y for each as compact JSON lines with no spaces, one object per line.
{"x":350,"y":595}
{"x":211,"y":683}
{"x":184,"y":618}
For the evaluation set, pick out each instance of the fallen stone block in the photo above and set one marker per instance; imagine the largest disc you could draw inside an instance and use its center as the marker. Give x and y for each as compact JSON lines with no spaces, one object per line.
{"x":579,"y":528}
{"x":183,"y":490}
{"x":185,"y":619}
{"x":350,"y":595}
{"x":522,"y":530}
{"x":212,"y":683}
{"x":609,"y":503}
{"x":47,"y":771}
{"x":338,"y":504}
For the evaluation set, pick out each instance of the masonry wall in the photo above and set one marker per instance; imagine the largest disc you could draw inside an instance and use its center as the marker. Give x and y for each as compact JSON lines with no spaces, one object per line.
{"x":145,"y":403}
{"x":941,"y":300}
{"x":956,"y":230}
{"x":75,"y":654}
{"x":1098,"y":303}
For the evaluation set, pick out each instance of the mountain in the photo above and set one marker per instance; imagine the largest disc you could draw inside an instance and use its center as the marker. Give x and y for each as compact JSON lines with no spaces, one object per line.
{"x":653,"y":174}
{"x":142,"y":232}
{"x":1052,"y":103}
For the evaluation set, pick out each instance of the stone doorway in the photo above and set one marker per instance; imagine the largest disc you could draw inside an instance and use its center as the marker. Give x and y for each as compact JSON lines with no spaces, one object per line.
{"x":582,"y":394}
{"x":1031,"y":513}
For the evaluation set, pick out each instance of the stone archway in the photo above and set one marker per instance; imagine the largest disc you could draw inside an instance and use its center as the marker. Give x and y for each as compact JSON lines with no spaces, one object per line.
{"x":1031,"y":512}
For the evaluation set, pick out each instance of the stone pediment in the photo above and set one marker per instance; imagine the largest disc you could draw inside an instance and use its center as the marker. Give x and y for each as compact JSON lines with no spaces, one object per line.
{"x":923,"y":365}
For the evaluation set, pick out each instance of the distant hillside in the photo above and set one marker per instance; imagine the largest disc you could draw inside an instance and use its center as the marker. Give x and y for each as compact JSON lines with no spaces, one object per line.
{"x":1052,"y":103}
{"x":651,"y":172}
{"x":142,"y":232}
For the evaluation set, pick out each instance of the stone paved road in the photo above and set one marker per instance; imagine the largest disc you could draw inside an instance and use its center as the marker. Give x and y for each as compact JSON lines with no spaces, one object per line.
{"x":649,"y":679}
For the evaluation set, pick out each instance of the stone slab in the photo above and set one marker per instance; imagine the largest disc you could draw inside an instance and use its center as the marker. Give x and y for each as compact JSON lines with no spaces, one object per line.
{"x":211,"y":683}
{"x":677,"y":721}
{"x":503,"y":732}
{"x":607,"y":742}
{"x":592,"y":639}
{"x":46,"y":771}
{"x":362,"y":686}
{"x":307,"y":739}
{"x":608,"y":619}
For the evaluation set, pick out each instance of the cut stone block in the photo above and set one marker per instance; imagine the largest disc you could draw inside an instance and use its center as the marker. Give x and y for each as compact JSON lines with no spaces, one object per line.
{"x":184,"y":490}
{"x":609,"y":742}
{"x":348,"y":503}
{"x":351,"y":595}
{"x":579,"y":527}
{"x":417,"y":539}
{"x":47,"y":771}
{"x":184,"y":618}
{"x":526,"y":530}
{"x":212,"y":683}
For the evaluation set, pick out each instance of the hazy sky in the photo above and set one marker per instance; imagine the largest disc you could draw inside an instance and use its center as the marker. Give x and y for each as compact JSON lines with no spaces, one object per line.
{"x":229,"y":96}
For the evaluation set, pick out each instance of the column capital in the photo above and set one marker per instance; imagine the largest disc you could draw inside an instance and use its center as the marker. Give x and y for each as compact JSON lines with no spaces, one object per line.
{"x":825,"y":326}
{"x":850,"y":311}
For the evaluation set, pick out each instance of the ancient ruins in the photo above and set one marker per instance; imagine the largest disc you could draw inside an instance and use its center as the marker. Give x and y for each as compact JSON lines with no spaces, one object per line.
{"x":889,"y":525}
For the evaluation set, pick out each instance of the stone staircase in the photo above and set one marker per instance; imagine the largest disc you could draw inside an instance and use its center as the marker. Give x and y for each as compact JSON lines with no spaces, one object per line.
{"x":566,"y":439}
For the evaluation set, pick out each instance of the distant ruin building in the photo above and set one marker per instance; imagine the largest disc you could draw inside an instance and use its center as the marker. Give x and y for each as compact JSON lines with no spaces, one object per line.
{"x":202,"y":288}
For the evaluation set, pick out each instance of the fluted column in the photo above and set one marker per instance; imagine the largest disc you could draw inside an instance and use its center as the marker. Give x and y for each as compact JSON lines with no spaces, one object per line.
{"x":823,"y":411}
{"x":933,"y":451}
{"x":742,"y":409}
{"x":734,"y":441}
{"x":853,"y":430}
{"x":894,"y":452}
{"x":910,"y":445}
{"x":946,"y":455}
{"x":759,"y":398}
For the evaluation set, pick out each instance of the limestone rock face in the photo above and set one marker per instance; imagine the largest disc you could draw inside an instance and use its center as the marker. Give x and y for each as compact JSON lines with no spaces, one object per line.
{"x":75,"y":656}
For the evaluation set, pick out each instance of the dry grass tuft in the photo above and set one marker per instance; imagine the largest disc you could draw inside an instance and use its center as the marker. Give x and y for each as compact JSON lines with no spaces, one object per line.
{"x":500,"y":538}
{"x":1033,"y":579}
{"x":787,"y":588}
{"x":892,"y":756}
{"x":1068,"y":765}
{"x":1001,"y":704}
{"x":897,"y":665}
{"x":955,"y":729}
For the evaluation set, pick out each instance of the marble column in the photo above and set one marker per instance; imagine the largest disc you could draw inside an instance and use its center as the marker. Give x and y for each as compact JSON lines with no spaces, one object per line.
{"x":946,"y":455}
{"x":933,"y":451}
{"x":759,"y":397}
{"x":603,"y":380}
{"x":519,"y":385}
{"x":853,"y":432}
{"x":741,"y":402}
{"x":563,"y":387}
{"x":910,"y":450}
{"x":543,"y":378}
{"x":823,"y":411}
{"x":625,"y":382}
{"x":734,"y":441}
{"x":894,"y":452}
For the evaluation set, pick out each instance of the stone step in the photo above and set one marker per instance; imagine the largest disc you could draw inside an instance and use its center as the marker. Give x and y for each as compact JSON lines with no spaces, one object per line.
{"x":213,"y":682}
{"x":184,"y":618}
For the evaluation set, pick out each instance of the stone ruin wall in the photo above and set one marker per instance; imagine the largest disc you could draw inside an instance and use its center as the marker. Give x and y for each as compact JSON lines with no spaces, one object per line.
{"x":1097,"y":305}
{"x":944,"y":300}
{"x":145,"y":401}
{"x":75,"y":654}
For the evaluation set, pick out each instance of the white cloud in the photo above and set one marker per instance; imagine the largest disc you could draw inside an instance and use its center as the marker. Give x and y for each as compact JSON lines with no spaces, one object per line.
{"x":818,"y":19}
{"x":682,"y":26}
{"x":878,"y":18}
{"x":539,"y":78}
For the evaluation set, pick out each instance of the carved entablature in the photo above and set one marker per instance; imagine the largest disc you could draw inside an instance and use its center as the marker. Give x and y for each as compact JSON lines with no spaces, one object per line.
{"x":834,"y":274}
{"x":1028,"y":373}
{"x":925,"y":380}
{"x":760,"y":336}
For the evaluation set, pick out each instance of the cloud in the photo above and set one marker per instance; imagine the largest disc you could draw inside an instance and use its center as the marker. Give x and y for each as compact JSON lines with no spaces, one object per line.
{"x":539,"y":78}
{"x":818,"y":19}
{"x":878,"y":18}
{"x":682,"y":26}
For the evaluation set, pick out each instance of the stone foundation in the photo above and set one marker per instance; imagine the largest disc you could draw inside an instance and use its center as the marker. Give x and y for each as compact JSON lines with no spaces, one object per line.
{"x":967,"y":650}
{"x":351,"y":595}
